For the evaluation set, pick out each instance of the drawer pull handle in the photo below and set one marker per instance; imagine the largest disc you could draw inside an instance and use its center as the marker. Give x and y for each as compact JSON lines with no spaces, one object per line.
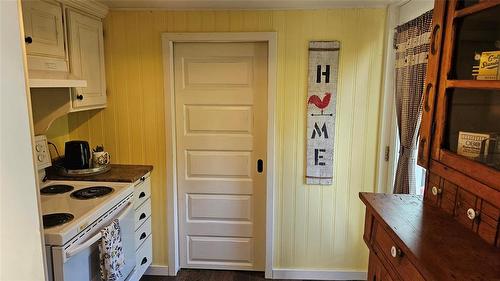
{"x":472,"y":214}
{"x":144,"y":260}
{"x":143,"y":235}
{"x":395,"y":252}
{"x":142,"y":194}
{"x":143,"y":216}
{"x":428,"y":89}
{"x":421,"y":148}
{"x":436,"y":190}
{"x":434,"y":38}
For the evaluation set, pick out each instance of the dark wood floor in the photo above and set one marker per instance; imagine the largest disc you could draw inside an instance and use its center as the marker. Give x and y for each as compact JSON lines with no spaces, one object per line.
{"x":210,"y":275}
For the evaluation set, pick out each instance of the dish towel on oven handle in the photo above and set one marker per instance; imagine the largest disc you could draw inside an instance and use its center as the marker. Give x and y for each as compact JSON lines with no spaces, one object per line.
{"x":111,"y":252}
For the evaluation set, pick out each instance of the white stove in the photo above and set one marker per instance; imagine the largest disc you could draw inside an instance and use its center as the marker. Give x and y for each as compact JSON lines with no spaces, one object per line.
{"x":83,"y":211}
{"x":74,"y":213}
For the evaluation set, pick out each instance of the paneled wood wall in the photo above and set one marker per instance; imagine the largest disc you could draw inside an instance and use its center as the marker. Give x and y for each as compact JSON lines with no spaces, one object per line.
{"x":316,"y":226}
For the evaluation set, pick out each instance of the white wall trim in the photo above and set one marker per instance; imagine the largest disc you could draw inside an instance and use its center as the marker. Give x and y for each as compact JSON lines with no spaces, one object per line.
{"x":188,"y":5}
{"x":387,"y":104}
{"x":318,"y":274}
{"x":168,"y":40}
{"x":157,"y":270}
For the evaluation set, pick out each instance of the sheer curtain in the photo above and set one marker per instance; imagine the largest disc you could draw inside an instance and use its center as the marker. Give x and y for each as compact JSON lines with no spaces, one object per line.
{"x":411,"y":42}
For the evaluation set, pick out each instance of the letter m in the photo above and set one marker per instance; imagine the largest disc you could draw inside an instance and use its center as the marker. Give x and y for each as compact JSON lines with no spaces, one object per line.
{"x":318,"y":131}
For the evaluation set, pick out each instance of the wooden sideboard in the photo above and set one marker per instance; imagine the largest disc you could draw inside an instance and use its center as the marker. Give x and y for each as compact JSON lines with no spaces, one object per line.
{"x":452,"y":232}
{"x":412,"y":239}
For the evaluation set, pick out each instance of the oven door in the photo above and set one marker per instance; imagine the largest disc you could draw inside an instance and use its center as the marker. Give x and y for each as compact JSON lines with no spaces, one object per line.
{"x":81,"y":262}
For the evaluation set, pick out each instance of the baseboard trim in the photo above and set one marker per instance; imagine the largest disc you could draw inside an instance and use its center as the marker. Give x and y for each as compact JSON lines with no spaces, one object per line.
{"x":157,"y":270}
{"x":282,"y":273}
{"x":318,"y":274}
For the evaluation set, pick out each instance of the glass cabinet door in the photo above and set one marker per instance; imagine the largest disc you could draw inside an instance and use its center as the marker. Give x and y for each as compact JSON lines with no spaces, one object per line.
{"x":467,"y":119}
{"x":477,"y":46}
{"x":473,"y":125}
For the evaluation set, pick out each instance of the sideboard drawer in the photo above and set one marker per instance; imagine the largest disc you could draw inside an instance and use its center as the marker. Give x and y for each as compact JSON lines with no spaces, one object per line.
{"x":393,"y":253}
{"x":489,"y":226}
{"x":448,"y":197}
{"x":433,"y":189}
{"x":466,"y":201}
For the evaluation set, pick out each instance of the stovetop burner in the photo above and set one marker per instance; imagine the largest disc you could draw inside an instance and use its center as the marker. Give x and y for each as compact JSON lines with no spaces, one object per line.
{"x":51,"y":220}
{"x":91,"y":192}
{"x":56,"y":189}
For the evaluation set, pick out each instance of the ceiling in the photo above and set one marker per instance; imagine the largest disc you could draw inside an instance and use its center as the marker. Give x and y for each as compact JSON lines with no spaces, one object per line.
{"x":242,"y":4}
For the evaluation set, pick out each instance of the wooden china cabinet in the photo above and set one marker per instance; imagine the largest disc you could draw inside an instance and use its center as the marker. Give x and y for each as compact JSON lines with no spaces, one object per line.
{"x":453,"y":231}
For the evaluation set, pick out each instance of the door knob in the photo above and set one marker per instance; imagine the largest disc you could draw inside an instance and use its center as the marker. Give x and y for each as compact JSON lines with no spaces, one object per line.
{"x":79,"y":97}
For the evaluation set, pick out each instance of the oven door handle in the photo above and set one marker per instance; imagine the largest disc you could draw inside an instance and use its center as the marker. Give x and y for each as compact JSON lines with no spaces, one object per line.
{"x":71,"y":252}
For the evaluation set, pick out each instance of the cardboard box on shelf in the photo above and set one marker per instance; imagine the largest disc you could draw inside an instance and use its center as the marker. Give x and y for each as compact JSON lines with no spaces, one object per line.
{"x":489,"y":66}
{"x":472,"y":144}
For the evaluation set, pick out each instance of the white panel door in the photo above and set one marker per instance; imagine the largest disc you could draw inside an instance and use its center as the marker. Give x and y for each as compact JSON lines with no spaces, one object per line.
{"x":86,"y":48}
{"x":221,"y":123}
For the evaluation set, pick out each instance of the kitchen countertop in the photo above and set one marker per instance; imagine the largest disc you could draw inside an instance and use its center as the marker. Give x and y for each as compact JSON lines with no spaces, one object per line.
{"x":118,"y":173}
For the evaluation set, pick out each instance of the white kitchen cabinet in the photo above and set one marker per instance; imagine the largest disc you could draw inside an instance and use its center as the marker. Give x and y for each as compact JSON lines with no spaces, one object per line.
{"x":86,"y":56}
{"x":44,"y":35}
{"x":143,"y":236}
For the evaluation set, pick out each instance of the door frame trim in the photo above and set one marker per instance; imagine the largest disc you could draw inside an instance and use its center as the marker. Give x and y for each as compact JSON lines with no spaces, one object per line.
{"x":168,"y":40}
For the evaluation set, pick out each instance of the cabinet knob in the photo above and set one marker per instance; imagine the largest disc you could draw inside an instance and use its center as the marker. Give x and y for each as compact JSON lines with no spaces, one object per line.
{"x":143,"y":178}
{"x":472,"y":214}
{"x":28,"y":40}
{"x":144,"y":260}
{"x":436,"y":190}
{"x":395,"y":252}
{"x":79,"y":97}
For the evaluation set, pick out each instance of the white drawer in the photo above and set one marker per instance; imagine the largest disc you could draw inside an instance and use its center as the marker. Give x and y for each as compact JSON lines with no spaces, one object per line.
{"x":144,"y":256}
{"x":142,"y":213}
{"x":142,"y":190}
{"x":142,"y":233}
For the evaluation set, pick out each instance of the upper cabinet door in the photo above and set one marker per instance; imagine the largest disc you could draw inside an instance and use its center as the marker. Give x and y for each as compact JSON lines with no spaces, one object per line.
{"x":467,"y":117}
{"x":86,"y":52}
{"x":431,"y":83}
{"x":43,"y":26}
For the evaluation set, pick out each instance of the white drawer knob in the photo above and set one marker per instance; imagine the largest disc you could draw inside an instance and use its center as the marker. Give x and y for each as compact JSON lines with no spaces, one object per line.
{"x":436,"y":190}
{"x":472,"y":214}
{"x":395,"y":252}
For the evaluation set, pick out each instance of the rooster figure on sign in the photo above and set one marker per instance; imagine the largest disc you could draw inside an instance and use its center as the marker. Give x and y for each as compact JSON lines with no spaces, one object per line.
{"x":320,"y":103}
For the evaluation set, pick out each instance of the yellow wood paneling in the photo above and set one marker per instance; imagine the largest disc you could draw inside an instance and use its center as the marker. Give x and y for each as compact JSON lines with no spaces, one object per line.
{"x":316,"y":226}
{"x":58,"y":134}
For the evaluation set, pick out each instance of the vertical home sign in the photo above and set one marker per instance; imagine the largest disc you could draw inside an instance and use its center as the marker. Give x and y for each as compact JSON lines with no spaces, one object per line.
{"x":321,"y":110}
